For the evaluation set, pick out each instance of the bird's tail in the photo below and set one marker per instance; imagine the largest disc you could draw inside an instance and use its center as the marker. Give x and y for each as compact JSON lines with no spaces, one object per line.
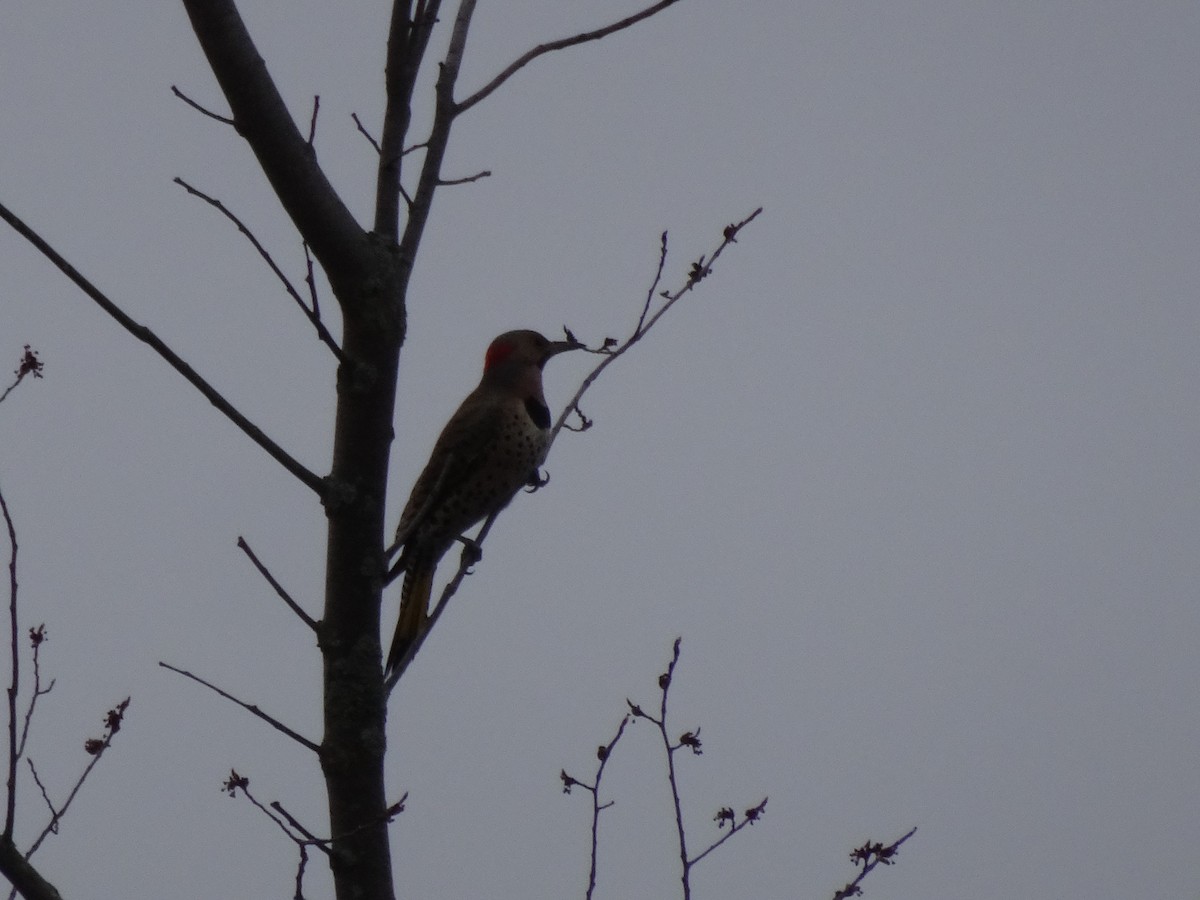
{"x":414,"y":609}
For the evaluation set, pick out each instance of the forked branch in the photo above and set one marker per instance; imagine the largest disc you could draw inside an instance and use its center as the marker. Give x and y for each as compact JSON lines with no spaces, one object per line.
{"x":689,"y":740}
{"x":285,"y":155}
{"x":311,"y":313}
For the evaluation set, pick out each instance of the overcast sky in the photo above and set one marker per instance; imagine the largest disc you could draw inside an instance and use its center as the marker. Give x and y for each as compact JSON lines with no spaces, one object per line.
{"x":914,"y":474}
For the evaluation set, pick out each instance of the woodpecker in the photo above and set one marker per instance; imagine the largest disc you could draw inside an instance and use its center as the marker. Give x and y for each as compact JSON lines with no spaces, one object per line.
{"x":491,"y":447}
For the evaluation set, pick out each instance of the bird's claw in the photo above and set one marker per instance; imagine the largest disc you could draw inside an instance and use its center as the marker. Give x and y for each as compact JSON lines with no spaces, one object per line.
{"x":471,"y":554}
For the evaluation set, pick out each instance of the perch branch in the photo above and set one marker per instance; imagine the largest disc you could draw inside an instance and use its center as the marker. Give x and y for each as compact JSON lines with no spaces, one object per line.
{"x":696,"y":274}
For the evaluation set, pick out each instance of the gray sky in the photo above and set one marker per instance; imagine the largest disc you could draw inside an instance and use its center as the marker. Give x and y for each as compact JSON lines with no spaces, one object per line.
{"x":914,"y":474}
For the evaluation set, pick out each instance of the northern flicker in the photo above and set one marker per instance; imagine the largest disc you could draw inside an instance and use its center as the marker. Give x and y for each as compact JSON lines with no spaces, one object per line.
{"x":491,"y":448}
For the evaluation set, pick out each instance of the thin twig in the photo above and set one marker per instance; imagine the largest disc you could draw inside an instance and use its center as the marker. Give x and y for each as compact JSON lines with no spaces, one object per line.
{"x":37,"y":779}
{"x":236,"y":783}
{"x":249,"y":707}
{"x":311,"y":280}
{"x":14,"y":682}
{"x":224,"y":120}
{"x":146,"y":336}
{"x":312,"y":125}
{"x":727,"y":816}
{"x":696,"y":274}
{"x":362,"y":129}
{"x":311,"y":314}
{"x":664,"y":682}
{"x":486,"y":173}
{"x":870,"y":855}
{"x":691,"y":741}
{"x":389,"y":182}
{"x":409,"y":32}
{"x":37,"y":636}
{"x":303,"y":864}
{"x":320,"y":843}
{"x":95,"y":747}
{"x":283,"y":595}
{"x":603,"y":753}
{"x":560,"y":44}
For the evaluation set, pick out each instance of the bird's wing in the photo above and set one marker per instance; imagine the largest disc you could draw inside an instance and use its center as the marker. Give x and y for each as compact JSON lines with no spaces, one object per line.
{"x":457,"y":452}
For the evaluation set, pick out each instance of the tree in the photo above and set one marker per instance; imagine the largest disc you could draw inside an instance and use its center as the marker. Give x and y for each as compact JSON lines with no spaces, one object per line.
{"x":369,"y":273}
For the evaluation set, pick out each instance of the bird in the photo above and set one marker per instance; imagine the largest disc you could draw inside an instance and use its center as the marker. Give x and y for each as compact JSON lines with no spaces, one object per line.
{"x":490,"y":448}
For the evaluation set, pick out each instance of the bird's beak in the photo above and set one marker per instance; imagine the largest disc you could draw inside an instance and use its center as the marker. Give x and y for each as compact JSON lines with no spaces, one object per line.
{"x":557,"y":347}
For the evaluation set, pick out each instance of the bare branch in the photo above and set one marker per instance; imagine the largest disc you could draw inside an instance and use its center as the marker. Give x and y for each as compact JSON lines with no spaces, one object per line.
{"x":37,"y":636}
{"x":236,"y":783}
{"x":94,"y":747}
{"x":727,"y":816}
{"x":249,"y":707}
{"x":283,"y":595}
{"x":200,"y":109}
{"x":870,"y":855}
{"x":14,"y":677}
{"x":363,"y":131}
{"x":286,"y":158}
{"x":146,"y":336}
{"x":408,"y":38}
{"x":439,"y":135}
{"x":603,"y":753}
{"x":664,"y":683}
{"x":311,"y":314}
{"x":561,"y":44}
{"x":311,"y":280}
{"x":611,"y":351}
{"x":689,"y":740}
{"x":321,"y":843}
{"x":486,"y":173}
{"x":312,"y":125}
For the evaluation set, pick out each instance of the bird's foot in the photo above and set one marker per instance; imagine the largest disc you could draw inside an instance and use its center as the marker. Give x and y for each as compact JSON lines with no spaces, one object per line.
{"x":537,"y":480}
{"x":472,"y":552}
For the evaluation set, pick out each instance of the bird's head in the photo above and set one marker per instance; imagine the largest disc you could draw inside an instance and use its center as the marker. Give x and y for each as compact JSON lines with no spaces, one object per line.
{"x":515,"y":352}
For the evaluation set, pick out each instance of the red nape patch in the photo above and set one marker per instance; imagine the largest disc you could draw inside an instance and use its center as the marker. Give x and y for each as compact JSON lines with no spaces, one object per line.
{"x":497,"y":353}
